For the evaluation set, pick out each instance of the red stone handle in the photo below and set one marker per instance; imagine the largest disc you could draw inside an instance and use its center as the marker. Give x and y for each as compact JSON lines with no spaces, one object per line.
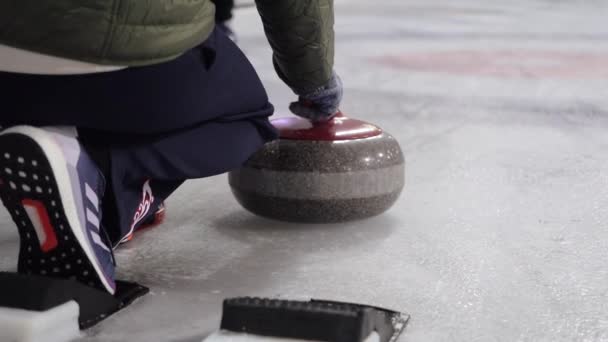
{"x":330,"y":122}
{"x":340,"y":127}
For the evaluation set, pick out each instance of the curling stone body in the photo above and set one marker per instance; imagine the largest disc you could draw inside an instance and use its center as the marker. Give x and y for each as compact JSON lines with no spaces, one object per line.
{"x":340,"y":171}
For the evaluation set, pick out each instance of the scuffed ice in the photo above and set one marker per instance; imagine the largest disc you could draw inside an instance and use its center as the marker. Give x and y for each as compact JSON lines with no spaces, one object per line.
{"x":501,"y":233}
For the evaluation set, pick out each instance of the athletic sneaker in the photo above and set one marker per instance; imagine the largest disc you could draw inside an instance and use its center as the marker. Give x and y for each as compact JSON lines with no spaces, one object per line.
{"x":153,"y":221}
{"x":52,"y":190}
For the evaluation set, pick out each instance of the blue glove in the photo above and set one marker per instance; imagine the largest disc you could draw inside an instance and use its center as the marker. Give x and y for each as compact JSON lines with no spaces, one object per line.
{"x":322,"y":104}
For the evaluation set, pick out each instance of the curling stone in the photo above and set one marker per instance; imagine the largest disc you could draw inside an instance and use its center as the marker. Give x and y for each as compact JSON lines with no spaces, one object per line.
{"x":340,"y":170}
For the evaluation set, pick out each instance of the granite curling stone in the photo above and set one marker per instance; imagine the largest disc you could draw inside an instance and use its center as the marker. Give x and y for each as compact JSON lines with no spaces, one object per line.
{"x":337,"y":171}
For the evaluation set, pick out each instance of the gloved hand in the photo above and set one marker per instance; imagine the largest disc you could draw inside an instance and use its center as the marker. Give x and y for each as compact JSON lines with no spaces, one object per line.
{"x":322,"y":104}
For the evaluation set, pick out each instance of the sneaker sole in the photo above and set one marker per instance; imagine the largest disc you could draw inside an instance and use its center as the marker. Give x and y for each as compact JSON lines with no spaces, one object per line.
{"x":37,"y":191}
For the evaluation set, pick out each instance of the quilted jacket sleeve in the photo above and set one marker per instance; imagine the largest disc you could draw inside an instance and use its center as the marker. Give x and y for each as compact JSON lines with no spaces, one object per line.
{"x":301,"y":35}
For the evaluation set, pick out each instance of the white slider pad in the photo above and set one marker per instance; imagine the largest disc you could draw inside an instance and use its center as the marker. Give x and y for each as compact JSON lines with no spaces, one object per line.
{"x":59,"y":324}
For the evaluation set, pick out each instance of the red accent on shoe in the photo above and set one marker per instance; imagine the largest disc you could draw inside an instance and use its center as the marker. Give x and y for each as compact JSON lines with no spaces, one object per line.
{"x":155,"y":220}
{"x":127,"y":238}
{"x":144,"y":207}
{"x":159,"y":218}
{"x":50,"y":241}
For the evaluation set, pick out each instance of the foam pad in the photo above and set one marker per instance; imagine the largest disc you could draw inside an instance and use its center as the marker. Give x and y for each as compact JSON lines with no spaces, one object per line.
{"x":30,"y":304}
{"x":314,"y":320}
{"x":58,"y":324}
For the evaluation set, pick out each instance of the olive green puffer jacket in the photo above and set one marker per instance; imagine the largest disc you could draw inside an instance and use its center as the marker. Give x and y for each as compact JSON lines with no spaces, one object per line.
{"x":143,"y":32}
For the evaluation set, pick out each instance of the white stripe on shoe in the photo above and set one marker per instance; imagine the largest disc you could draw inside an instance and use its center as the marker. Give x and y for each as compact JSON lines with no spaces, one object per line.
{"x":92,"y":197}
{"x":92,"y":218}
{"x":98,"y":242}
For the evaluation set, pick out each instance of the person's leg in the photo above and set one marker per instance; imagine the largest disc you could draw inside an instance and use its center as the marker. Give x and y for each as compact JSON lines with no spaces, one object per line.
{"x":144,"y":175}
{"x":205,"y":149}
{"x":214,"y":81}
{"x":150,"y":128}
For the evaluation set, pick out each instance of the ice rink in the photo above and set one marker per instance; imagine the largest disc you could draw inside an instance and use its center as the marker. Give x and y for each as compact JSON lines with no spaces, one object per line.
{"x":501,"y":234}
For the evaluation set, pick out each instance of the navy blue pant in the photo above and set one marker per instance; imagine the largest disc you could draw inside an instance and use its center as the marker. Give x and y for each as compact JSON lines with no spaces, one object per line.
{"x":151,"y":128}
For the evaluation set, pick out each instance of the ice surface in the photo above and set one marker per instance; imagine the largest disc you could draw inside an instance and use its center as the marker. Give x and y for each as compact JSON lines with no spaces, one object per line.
{"x":501,"y":108}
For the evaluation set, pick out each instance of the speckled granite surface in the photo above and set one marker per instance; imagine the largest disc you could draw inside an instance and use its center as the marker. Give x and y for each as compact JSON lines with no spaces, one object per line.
{"x":320,"y":181}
